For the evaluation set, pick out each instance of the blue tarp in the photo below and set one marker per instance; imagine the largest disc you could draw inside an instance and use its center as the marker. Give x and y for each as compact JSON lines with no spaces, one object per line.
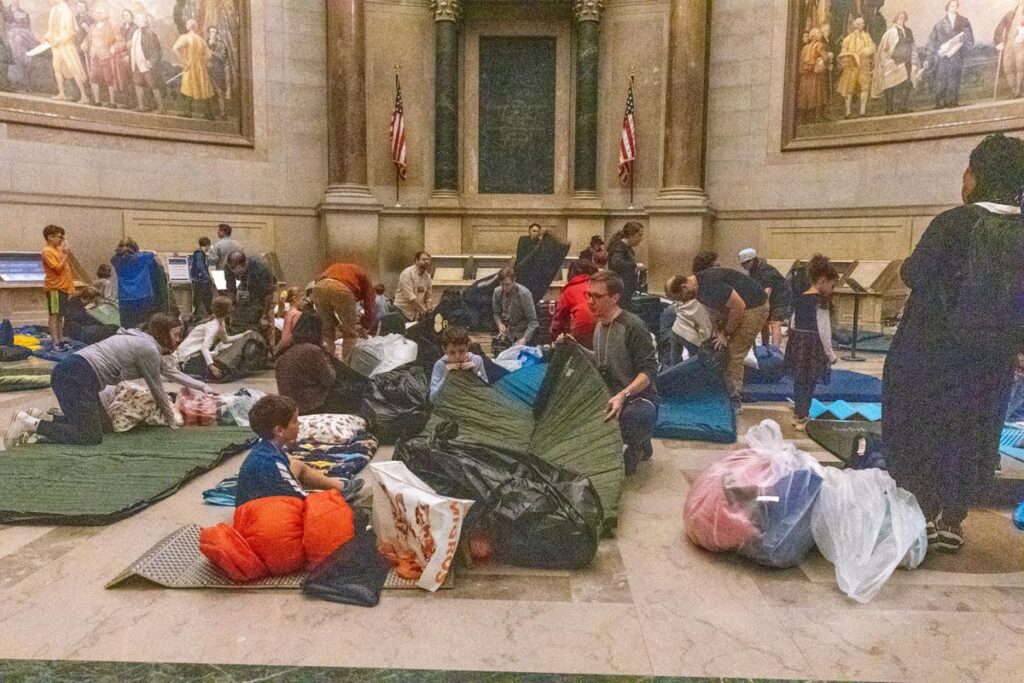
{"x":1010,"y":442}
{"x":694,"y":402}
{"x":523,"y":384}
{"x":845,"y":386}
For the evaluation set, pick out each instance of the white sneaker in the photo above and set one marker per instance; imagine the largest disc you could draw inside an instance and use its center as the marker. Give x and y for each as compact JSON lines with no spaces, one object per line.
{"x":37,"y":413}
{"x":22,"y":426}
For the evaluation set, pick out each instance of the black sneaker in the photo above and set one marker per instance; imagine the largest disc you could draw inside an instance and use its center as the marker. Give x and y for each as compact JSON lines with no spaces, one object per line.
{"x":931,"y":532}
{"x":949,"y":539}
{"x":646,"y":451}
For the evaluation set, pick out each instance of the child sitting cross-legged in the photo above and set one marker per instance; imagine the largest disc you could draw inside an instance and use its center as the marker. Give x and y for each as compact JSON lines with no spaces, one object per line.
{"x":455,"y":342}
{"x":196,"y":354}
{"x":279,"y":526}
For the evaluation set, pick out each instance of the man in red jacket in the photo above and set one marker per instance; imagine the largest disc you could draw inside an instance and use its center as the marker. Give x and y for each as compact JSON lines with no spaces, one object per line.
{"x":573,"y":315}
{"x":336,"y":294}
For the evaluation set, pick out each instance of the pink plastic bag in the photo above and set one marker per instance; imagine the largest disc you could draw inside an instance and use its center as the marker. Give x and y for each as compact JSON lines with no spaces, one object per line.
{"x":713,"y":521}
{"x":197,"y":408}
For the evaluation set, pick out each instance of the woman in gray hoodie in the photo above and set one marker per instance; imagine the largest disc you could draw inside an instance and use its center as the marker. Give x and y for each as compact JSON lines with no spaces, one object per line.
{"x":78,"y":380}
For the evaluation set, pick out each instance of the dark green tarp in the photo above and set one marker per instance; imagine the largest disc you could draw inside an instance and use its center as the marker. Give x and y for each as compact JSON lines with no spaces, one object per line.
{"x":97,"y":485}
{"x":565,"y":427}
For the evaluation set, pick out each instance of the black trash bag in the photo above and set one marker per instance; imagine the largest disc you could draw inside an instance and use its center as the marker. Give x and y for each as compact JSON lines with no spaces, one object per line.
{"x":353,"y":575}
{"x":238,"y":361}
{"x":478,"y":299}
{"x":396,"y":405}
{"x":450,"y":310}
{"x":537,"y":271}
{"x":349,"y":388}
{"x":537,"y":515}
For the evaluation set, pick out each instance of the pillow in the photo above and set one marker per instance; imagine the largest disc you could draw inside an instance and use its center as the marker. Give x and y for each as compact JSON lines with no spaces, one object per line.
{"x":331,"y":428}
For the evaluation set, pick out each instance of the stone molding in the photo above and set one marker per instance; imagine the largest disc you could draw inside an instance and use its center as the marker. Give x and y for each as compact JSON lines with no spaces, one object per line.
{"x":587,"y":10}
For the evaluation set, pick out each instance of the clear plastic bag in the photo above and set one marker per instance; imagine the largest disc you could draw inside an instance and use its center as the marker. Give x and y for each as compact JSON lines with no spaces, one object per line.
{"x":516,"y":357}
{"x":197,"y":408}
{"x":377,"y":355}
{"x":867,"y":526}
{"x":757,"y":501}
{"x":233,"y":409}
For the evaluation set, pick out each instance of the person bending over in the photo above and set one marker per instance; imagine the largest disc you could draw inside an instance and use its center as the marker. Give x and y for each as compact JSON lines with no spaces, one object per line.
{"x":780,"y":294}
{"x":77,"y":381}
{"x":455,"y":342}
{"x":267,"y":470}
{"x":626,"y":358}
{"x":692,"y":325}
{"x":740,"y":305}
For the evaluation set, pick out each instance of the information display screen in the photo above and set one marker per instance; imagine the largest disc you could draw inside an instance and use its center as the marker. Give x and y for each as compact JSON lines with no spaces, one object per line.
{"x":21,"y":267}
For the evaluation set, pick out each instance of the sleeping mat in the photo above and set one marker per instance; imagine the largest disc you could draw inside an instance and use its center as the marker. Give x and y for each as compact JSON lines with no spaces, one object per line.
{"x":694,"y":401}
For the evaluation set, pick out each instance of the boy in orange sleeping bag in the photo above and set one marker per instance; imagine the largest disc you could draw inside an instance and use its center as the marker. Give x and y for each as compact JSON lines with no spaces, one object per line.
{"x":279,"y":527}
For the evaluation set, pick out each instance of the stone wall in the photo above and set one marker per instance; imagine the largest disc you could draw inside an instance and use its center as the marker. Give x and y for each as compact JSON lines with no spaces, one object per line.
{"x":98,"y":186}
{"x":867,"y":202}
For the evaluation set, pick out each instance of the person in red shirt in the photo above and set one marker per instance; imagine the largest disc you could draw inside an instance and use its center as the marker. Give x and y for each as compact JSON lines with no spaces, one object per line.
{"x":336,"y":294}
{"x":59,"y":282}
{"x":572,"y":315}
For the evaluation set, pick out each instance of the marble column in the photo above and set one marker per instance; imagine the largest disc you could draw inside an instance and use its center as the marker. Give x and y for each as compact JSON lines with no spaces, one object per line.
{"x":349,"y":214}
{"x":446,"y":96}
{"x":681,"y":216}
{"x":588,"y":36}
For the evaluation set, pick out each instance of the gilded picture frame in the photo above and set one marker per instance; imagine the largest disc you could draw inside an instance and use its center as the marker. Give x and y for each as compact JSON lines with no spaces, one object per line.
{"x":190,"y":62}
{"x":907,"y":65}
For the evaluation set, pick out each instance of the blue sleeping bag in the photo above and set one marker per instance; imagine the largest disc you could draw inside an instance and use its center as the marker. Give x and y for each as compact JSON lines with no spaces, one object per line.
{"x":523,"y":384}
{"x":694,"y":401}
{"x":771,"y":365}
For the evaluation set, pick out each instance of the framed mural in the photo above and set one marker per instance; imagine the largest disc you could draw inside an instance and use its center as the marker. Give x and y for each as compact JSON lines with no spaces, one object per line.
{"x":169,"y":69}
{"x":872,"y":71}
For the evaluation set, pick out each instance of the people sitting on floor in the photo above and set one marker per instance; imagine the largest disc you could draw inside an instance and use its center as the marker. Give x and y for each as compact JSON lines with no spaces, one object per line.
{"x":78,"y":380}
{"x":105,"y":284}
{"x":197,"y":354}
{"x":626,"y":358}
{"x":515,"y":314}
{"x":337,"y":294}
{"x":809,"y":353}
{"x":455,"y":342}
{"x":252,"y":286}
{"x":81,"y":326}
{"x":306,"y":372}
{"x":296,"y":301}
{"x":572,"y":315}
{"x":780,"y":294}
{"x":739,"y":305}
{"x":413,"y":296}
{"x":279,"y":525}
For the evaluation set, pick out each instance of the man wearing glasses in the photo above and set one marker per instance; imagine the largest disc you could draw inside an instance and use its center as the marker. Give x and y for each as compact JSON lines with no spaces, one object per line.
{"x":625,"y":356}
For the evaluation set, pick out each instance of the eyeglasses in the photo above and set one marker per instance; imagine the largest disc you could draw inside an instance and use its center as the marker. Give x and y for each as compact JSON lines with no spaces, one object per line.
{"x":594,"y":295}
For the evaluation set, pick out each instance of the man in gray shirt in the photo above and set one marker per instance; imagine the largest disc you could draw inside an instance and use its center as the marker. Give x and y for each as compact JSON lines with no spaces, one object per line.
{"x":625,"y":356}
{"x":514,"y":311}
{"x":218,"y":254}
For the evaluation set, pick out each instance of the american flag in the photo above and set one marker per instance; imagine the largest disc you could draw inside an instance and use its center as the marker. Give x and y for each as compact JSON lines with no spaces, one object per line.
{"x":627,"y":146}
{"x":397,"y":132}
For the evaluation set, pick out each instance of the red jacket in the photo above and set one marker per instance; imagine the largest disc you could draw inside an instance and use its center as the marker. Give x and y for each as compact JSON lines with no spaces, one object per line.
{"x":361,"y":286}
{"x":573,"y":314}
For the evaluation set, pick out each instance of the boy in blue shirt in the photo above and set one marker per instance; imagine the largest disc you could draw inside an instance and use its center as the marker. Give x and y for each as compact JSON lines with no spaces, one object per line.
{"x":455,"y":342}
{"x":267,"y":470}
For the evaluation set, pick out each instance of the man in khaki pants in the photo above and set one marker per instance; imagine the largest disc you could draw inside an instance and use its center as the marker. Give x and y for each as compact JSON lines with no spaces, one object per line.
{"x":336,"y":296}
{"x":741,"y":306}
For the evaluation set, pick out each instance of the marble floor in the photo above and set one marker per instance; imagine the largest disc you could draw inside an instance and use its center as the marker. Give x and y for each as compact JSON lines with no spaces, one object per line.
{"x":652,"y":604}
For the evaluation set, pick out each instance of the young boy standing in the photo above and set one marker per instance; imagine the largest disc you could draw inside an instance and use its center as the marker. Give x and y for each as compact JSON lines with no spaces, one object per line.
{"x":455,"y":342}
{"x":267,"y":470}
{"x":59,"y":283}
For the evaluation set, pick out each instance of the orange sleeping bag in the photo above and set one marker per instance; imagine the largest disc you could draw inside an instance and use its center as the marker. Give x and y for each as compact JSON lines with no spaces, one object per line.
{"x":279,"y":535}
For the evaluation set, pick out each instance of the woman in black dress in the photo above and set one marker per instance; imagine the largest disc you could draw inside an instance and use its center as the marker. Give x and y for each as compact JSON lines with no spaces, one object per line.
{"x":809,"y":352}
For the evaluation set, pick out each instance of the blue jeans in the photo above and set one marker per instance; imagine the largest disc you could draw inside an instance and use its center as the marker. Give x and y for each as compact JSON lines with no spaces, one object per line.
{"x":677,"y":346}
{"x":636,"y":423}
{"x":77,"y":390}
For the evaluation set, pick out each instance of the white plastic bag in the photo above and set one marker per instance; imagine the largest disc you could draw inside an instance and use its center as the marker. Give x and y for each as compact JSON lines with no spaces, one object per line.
{"x":867,"y":526}
{"x":234,"y":408}
{"x":516,"y":357}
{"x":417,"y":530}
{"x":378,"y":355}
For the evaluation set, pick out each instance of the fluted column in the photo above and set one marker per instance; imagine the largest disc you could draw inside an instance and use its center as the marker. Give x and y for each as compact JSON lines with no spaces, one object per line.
{"x":346,"y":83}
{"x":588,"y":31}
{"x":683,"y":169}
{"x":446,"y":96}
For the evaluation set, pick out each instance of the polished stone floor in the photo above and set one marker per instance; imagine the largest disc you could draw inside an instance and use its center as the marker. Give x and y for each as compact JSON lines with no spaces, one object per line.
{"x":652,"y":604}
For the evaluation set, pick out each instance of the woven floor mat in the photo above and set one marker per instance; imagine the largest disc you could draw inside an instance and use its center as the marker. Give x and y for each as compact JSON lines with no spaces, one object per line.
{"x":175,"y":562}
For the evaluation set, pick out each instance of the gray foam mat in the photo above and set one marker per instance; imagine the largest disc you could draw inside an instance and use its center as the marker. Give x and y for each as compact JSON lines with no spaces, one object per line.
{"x":175,"y":562}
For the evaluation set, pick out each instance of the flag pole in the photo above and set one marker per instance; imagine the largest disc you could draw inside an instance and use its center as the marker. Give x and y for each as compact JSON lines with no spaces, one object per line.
{"x":398,"y":173}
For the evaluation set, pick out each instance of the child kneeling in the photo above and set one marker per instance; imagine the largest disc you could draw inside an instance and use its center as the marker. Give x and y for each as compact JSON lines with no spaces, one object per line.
{"x":279,"y":527}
